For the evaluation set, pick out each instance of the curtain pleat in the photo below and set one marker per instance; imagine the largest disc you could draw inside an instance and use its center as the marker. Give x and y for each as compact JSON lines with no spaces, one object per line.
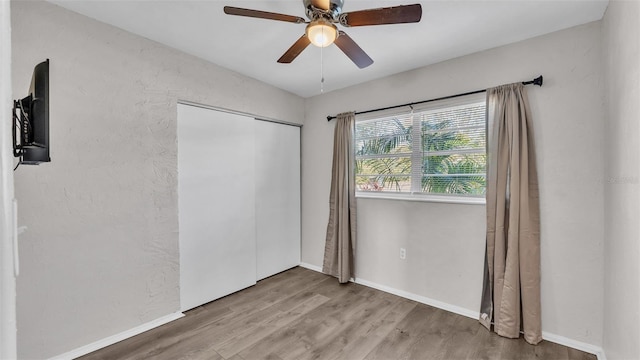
{"x":511,"y":294}
{"x":341,"y":230}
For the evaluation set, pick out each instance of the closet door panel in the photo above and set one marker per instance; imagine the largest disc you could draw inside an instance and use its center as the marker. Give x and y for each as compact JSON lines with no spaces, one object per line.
{"x":277,"y":190}
{"x":216,"y":201}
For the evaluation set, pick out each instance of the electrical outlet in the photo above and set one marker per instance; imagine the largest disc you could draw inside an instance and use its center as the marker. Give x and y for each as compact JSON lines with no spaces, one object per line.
{"x":403,"y":253}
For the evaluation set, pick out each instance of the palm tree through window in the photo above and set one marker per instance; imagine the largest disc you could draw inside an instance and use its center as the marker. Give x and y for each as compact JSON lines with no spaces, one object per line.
{"x":439,"y":149}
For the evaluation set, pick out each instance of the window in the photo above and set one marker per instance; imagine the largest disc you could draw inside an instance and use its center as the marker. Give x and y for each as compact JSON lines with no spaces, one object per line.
{"x":437,"y":149}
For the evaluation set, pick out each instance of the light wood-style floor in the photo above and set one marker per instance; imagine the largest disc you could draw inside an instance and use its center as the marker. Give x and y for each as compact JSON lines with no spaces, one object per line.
{"x":302,"y":314}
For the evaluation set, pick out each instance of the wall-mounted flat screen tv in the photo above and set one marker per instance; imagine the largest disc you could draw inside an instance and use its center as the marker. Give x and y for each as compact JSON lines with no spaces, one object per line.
{"x":31,"y":116}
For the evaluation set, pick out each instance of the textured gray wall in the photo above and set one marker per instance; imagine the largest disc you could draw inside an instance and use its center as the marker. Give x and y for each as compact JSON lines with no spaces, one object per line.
{"x":7,"y":231}
{"x":621,"y":40}
{"x":101,"y":252}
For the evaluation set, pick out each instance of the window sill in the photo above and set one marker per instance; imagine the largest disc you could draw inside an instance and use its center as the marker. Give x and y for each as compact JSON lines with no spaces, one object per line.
{"x":422,"y":198}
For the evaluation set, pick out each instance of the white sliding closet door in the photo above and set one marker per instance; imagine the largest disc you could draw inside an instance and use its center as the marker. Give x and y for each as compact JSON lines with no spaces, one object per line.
{"x":277,"y":184}
{"x":216,"y":201}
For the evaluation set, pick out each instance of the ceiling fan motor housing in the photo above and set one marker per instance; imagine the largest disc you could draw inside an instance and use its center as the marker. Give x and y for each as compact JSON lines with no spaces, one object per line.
{"x":314,"y":10}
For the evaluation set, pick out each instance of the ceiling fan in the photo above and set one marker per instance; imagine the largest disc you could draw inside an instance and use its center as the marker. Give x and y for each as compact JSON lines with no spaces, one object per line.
{"x":321,"y":30}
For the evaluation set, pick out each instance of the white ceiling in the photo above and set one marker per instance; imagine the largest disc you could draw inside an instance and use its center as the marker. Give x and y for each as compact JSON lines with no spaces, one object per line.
{"x":250,"y":46}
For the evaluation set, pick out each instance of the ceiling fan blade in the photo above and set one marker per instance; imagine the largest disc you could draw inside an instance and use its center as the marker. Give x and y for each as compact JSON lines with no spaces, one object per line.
{"x":321,"y":4}
{"x":352,"y":50}
{"x":295,"y":50}
{"x":230,"y":10}
{"x":389,"y":15}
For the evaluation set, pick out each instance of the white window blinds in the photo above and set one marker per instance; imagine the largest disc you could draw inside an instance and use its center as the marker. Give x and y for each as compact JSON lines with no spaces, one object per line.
{"x":437,"y":148}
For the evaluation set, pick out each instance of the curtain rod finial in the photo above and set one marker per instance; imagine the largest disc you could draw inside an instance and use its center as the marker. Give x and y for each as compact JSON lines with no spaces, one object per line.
{"x":538,"y":81}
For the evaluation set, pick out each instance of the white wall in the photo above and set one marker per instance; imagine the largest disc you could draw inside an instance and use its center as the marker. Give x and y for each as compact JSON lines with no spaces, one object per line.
{"x":101,"y":252}
{"x":445,"y":242}
{"x":621,"y":45}
{"x":7,"y":272}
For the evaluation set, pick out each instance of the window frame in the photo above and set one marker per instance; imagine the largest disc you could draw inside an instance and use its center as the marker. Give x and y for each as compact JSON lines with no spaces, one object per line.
{"x":416,"y":156}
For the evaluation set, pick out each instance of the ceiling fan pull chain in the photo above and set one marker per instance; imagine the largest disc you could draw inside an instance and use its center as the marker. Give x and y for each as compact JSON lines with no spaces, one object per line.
{"x":321,"y":71}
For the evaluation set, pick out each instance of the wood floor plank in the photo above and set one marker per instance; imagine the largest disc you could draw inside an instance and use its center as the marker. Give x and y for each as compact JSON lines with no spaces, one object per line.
{"x":340,"y":328}
{"x":235,"y":357}
{"x":234,"y":345}
{"x":296,"y":339}
{"x":248,"y":314}
{"x":400,"y":340}
{"x":549,"y":350}
{"x":192,"y":348}
{"x":485,"y":345}
{"x":366,"y":338}
{"x":270,"y":291}
{"x":295,"y":298}
{"x":347,"y":329}
{"x":304,"y":315}
{"x":434,"y":338}
{"x":466,"y":330}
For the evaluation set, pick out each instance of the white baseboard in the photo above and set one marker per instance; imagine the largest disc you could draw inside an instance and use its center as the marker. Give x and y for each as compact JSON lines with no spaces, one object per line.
{"x":421,"y":299}
{"x":578,"y":345}
{"x":117,"y":337}
{"x":592,"y":349}
{"x":311,"y":267}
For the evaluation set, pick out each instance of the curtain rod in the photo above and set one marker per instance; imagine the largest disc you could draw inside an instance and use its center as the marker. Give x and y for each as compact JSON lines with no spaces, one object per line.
{"x":536,"y":81}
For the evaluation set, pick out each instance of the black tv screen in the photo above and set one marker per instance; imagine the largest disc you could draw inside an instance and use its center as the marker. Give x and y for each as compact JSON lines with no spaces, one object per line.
{"x":33,"y":119}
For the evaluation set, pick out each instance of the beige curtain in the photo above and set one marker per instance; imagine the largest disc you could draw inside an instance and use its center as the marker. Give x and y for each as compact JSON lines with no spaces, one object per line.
{"x":341,"y":230}
{"x":511,"y":294}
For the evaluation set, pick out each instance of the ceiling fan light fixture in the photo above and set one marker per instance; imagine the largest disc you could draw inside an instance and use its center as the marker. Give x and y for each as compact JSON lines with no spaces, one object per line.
{"x":321,"y":33}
